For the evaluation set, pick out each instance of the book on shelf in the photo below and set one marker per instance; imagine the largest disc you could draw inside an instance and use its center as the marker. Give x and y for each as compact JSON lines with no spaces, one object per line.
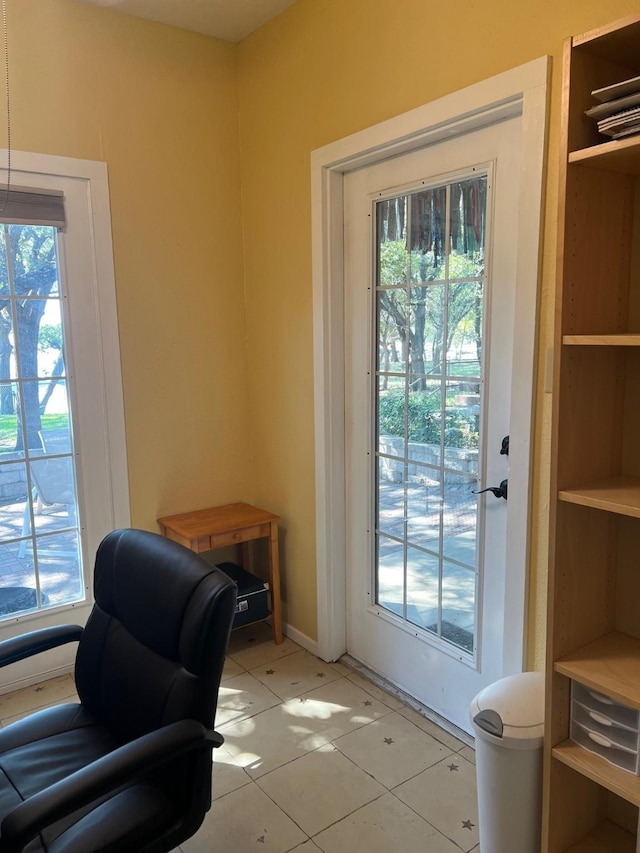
{"x":618,"y":113}
{"x":621,"y":124}
{"x":617,"y":90}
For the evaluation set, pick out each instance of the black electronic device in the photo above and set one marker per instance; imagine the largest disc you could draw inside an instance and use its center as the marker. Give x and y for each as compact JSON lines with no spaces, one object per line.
{"x":252,"y":604}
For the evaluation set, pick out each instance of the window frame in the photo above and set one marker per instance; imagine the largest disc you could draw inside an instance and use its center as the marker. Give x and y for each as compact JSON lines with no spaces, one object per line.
{"x":92,"y":359}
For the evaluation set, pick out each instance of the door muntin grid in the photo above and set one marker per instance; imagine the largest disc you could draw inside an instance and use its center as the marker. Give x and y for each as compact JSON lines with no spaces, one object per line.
{"x":429,"y":318}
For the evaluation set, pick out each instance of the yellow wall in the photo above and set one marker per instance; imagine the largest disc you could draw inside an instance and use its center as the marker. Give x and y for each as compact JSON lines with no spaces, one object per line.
{"x":160,"y":106}
{"x":217,"y":344}
{"x":322,"y":70}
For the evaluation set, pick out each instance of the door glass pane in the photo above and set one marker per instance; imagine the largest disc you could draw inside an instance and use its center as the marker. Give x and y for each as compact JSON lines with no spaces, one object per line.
{"x":426,"y":329}
{"x":468,"y":228}
{"x":390,"y":575}
{"x":458,"y":605}
{"x":394,"y":258}
{"x":464,"y":328}
{"x":428,"y":233}
{"x":40,"y":564}
{"x":460,"y":518}
{"x":391,"y":496}
{"x":392,"y":332}
{"x":429,"y":319}
{"x":391,"y":418}
{"x":462,"y":426}
{"x":422,"y":589}
{"x":424,"y":508}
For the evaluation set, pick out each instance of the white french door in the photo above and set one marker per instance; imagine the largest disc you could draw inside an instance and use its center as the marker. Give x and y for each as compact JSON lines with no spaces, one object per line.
{"x":431,"y":242}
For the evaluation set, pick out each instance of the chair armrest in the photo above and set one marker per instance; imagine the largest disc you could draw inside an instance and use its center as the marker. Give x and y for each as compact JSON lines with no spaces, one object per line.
{"x":100,"y":777}
{"x":26,"y":645}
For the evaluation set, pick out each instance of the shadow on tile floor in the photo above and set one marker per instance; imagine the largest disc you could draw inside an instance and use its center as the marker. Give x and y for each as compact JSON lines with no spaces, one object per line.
{"x":317,"y":758}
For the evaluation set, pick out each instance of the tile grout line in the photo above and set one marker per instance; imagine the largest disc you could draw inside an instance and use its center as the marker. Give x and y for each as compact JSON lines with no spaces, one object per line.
{"x":358,"y":728}
{"x":379,"y":695}
{"x":343,"y":675}
{"x":392,"y":790}
{"x":386,"y":790}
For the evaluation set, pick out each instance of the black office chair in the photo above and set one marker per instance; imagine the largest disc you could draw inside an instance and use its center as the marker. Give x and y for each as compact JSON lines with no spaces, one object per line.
{"x":128,"y":769}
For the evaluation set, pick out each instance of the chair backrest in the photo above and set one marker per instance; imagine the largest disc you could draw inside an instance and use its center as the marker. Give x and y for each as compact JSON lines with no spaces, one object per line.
{"x":154,"y":646}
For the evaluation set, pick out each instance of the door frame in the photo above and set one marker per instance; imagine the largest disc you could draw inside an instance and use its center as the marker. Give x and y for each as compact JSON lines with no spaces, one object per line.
{"x":522,"y":90}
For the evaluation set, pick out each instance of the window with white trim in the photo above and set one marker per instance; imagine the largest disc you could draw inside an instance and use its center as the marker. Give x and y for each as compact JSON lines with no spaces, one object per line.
{"x":63,"y":482}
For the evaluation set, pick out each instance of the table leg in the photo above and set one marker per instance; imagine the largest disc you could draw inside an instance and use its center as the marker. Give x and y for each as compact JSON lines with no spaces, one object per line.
{"x":274,"y":582}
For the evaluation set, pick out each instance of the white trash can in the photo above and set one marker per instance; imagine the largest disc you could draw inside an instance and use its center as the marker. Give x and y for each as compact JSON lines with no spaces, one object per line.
{"x":508,"y":721}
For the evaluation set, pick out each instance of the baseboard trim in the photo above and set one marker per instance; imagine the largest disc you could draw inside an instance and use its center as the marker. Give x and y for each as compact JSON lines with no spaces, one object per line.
{"x":38,"y":678}
{"x":301,"y":639}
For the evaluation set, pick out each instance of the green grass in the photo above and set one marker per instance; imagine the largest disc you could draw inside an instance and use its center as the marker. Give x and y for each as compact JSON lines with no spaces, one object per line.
{"x":9,"y":428}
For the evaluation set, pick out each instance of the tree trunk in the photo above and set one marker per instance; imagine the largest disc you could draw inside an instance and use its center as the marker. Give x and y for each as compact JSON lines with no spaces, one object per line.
{"x":7,"y":406}
{"x":417,"y":346}
{"x":58,"y":370}
{"x":28,"y":327}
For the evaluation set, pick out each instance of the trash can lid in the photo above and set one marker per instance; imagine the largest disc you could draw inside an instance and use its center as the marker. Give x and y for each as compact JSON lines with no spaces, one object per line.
{"x":511,"y":711}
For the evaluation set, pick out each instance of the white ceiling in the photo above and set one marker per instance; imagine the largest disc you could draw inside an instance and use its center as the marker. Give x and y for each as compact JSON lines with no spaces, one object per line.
{"x":232,"y":20}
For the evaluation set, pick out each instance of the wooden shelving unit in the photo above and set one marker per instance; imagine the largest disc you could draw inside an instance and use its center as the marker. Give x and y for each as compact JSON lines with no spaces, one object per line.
{"x":602,"y":340}
{"x":589,"y":804}
{"x":618,"y":155}
{"x":615,"y":494}
{"x":610,"y":664}
{"x":607,"y":837}
{"x":599,"y":770}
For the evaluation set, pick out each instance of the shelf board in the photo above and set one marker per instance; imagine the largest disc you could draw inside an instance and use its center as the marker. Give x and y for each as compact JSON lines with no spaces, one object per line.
{"x":615,"y":340}
{"x":617,"y":155}
{"x":616,"y":42}
{"x":611,"y":665}
{"x":620,"y":782}
{"x":606,"y":838}
{"x":616,"y":494}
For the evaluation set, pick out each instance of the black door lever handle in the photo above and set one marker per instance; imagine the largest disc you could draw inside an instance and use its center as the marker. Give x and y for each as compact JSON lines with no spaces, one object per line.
{"x":499,"y":491}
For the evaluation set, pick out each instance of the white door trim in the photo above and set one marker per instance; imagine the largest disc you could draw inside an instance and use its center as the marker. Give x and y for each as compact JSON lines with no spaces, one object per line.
{"x":522,"y":89}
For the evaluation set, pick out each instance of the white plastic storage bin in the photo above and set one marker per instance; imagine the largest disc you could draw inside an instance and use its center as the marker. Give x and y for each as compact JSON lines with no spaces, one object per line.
{"x":605,"y":727}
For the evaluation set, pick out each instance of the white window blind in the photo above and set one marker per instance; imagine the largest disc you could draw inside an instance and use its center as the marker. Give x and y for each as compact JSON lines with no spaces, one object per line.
{"x":30,"y":206}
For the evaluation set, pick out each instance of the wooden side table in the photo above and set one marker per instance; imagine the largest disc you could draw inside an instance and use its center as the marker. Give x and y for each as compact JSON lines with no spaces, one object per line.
{"x":232,"y":524}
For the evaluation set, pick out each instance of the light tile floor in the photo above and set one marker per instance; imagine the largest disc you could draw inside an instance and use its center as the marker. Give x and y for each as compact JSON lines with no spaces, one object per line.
{"x":316,"y":757}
